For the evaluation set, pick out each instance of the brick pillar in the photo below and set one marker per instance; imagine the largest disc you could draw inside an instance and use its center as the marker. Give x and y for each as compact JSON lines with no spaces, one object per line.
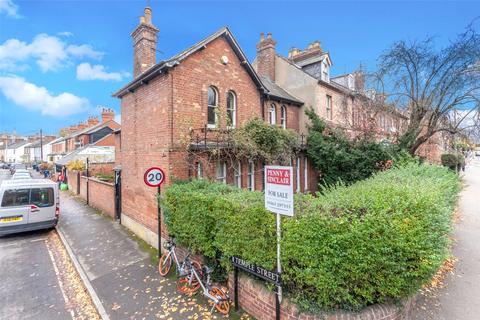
{"x":266,"y":56}
{"x":144,"y":44}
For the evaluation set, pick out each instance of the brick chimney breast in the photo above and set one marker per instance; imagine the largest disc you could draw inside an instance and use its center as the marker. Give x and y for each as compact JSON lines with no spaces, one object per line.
{"x":266,"y":56}
{"x":107,"y":114}
{"x":144,"y":44}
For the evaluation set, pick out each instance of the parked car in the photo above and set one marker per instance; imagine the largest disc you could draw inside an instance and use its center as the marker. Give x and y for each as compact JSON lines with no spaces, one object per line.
{"x":28,"y":205}
{"x":21,"y":175}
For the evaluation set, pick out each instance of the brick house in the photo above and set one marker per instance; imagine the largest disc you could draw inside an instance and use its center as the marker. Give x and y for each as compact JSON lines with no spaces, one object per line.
{"x":341,"y":101}
{"x":200,"y":92}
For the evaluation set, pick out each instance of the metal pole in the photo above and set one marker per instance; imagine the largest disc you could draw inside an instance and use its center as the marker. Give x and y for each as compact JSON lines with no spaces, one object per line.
{"x":88,"y":198}
{"x":235,"y":280}
{"x":279,"y":269}
{"x":41,"y":146}
{"x":159,"y":224}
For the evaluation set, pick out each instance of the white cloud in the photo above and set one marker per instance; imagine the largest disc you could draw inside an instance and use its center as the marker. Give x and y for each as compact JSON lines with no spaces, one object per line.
{"x":65,"y":34}
{"x":9,"y":8}
{"x":85,"y":71}
{"x":36,"y":98}
{"x":50,"y":53}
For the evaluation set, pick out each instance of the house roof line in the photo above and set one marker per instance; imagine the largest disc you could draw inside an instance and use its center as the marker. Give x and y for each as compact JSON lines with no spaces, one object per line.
{"x":158,"y":68}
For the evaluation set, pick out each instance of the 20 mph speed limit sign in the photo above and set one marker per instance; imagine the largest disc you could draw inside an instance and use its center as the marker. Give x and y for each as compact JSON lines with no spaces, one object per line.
{"x":154,"y":177}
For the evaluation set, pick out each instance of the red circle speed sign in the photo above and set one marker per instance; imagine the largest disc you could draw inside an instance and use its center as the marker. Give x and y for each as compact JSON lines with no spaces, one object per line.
{"x":154,"y":177}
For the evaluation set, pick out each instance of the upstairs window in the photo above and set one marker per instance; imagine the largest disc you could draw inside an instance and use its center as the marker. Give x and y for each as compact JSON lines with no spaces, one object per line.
{"x":231,"y":109}
{"x":283,"y":117}
{"x":272,"y":114}
{"x":325,"y":71}
{"x":329,"y":107}
{"x":212,"y":107}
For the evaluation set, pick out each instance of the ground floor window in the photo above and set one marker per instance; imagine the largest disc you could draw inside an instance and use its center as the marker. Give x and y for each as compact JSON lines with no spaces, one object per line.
{"x":297,"y":171}
{"x":199,"y":170}
{"x":251,"y":176}
{"x":305,"y":174}
{"x":221,"y":171}
{"x":237,"y":174}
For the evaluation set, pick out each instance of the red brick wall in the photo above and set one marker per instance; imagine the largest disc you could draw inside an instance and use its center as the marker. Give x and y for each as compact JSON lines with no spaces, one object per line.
{"x":101,"y":194}
{"x":259,"y":302}
{"x":146,"y":138}
{"x":107,"y":141}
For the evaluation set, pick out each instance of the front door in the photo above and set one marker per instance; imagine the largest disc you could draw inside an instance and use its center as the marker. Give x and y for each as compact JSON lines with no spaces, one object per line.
{"x":118,"y":195}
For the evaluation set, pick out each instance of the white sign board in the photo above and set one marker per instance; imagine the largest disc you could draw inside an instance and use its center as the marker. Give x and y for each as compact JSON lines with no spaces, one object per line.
{"x":279,"y":189}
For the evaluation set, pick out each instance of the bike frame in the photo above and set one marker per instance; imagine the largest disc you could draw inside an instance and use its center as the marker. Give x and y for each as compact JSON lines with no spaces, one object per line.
{"x":204,"y":287}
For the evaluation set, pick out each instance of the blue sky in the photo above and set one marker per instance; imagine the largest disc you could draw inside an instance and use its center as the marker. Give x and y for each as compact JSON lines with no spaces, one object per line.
{"x":59,"y":60}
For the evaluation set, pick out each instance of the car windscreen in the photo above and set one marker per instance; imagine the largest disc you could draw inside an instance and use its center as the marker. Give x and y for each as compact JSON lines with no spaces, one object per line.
{"x":16,"y":198}
{"x":40,"y":197}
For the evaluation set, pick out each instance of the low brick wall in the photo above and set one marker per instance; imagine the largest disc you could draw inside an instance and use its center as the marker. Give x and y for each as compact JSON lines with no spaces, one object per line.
{"x":101,"y":194}
{"x":259,"y":302}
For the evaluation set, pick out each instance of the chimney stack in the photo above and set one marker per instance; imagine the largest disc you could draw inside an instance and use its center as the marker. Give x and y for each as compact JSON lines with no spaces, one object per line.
{"x":266,"y":56}
{"x":92,"y":121}
{"x":359,"y":81}
{"x":107,"y":114}
{"x":144,"y":44}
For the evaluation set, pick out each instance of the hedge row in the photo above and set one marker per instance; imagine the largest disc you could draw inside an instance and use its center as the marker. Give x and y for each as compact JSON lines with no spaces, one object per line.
{"x":371,"y":242}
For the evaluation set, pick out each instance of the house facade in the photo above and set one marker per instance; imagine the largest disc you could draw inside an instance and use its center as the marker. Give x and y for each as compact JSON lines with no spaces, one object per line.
{"x":16,"y":152}
{"x":177,"y":105}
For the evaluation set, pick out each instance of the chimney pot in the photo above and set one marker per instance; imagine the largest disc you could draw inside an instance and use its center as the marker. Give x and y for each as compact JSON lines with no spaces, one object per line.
{"x":262,"y":36}
{"x":269,"y":35}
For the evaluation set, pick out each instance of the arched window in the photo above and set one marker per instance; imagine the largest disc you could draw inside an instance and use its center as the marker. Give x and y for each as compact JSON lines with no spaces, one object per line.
{"x":212,"y":107}
{"x":283,"y":117}
{"x":232,"y":109}
{"x":272,"y":114}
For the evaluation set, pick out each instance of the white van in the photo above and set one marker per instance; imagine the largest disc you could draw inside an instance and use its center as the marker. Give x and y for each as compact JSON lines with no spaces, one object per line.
{"x":28,"y":205}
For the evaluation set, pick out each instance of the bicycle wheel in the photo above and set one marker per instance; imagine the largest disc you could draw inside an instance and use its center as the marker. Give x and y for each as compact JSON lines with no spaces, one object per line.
{"x":195,"y":285}
{"x":165,"y":264}
{"x":185,"y":286}
{"x":223,"y":306}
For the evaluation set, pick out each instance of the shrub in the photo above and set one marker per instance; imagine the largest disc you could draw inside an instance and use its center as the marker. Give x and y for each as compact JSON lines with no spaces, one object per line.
{"x":376,"y":240}
{"x":450,"y":160}
{"x":78,"y":165}
{"x":340,"y":160}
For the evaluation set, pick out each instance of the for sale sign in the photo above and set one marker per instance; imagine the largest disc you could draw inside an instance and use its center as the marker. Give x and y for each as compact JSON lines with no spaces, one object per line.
{"x":279,"y":189}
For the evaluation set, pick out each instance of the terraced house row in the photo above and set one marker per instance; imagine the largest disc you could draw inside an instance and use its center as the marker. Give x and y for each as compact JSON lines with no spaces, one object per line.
{"x":188,"y":103}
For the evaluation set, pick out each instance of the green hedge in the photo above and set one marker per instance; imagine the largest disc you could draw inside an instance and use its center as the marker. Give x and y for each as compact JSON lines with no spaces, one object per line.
{"x":373,"y":241}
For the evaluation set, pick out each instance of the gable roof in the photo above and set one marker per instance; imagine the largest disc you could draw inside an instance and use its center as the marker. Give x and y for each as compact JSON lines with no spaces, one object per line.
{"x":17,"y":145}
{"x":160,"y":67}
{"x":89,"y":130}
{"x":275,"y":91}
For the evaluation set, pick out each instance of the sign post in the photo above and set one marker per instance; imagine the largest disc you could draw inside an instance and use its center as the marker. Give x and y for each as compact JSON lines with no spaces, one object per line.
{"x":279,"y":200}
{"x":154,"y":177}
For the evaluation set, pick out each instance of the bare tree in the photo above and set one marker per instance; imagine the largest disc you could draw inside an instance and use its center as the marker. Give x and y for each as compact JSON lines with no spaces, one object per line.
{"x":432,"y":84}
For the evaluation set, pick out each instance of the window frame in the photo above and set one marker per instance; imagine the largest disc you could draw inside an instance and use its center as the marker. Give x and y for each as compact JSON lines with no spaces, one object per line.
{"x":328,"y":107}
{"x":214,"y":107}
{"x":297,"y":164}
{"x":223,"y":177}
{"x":283,"y":116}
{"x":237,"y":174}
{"x":305,"y":174}
{"x":199,"y":170}
{"x":233,"y":121}
{"x":251,"y":176}
{"x":272,"y":114}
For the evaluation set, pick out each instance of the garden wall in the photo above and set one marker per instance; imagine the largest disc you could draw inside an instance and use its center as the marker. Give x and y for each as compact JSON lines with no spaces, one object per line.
{"x":259,"y":302}
{"x":101,"y":194}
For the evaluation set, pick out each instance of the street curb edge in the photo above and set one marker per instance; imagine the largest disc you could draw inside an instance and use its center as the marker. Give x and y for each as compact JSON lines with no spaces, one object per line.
{"x":93,"y":294}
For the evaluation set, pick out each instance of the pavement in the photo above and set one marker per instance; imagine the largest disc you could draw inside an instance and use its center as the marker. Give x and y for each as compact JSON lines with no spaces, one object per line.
{"x":459,"y":299}
{"x":29,"y":287}
{"x":120,"y":271}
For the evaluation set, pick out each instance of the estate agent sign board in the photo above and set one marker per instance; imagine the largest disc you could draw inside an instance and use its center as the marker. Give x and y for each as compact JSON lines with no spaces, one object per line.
{"x":279,"y":190}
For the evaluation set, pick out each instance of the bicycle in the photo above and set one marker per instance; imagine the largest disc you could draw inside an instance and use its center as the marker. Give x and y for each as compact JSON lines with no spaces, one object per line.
{"x":190,"y":284}
{"x":167,"y":258}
